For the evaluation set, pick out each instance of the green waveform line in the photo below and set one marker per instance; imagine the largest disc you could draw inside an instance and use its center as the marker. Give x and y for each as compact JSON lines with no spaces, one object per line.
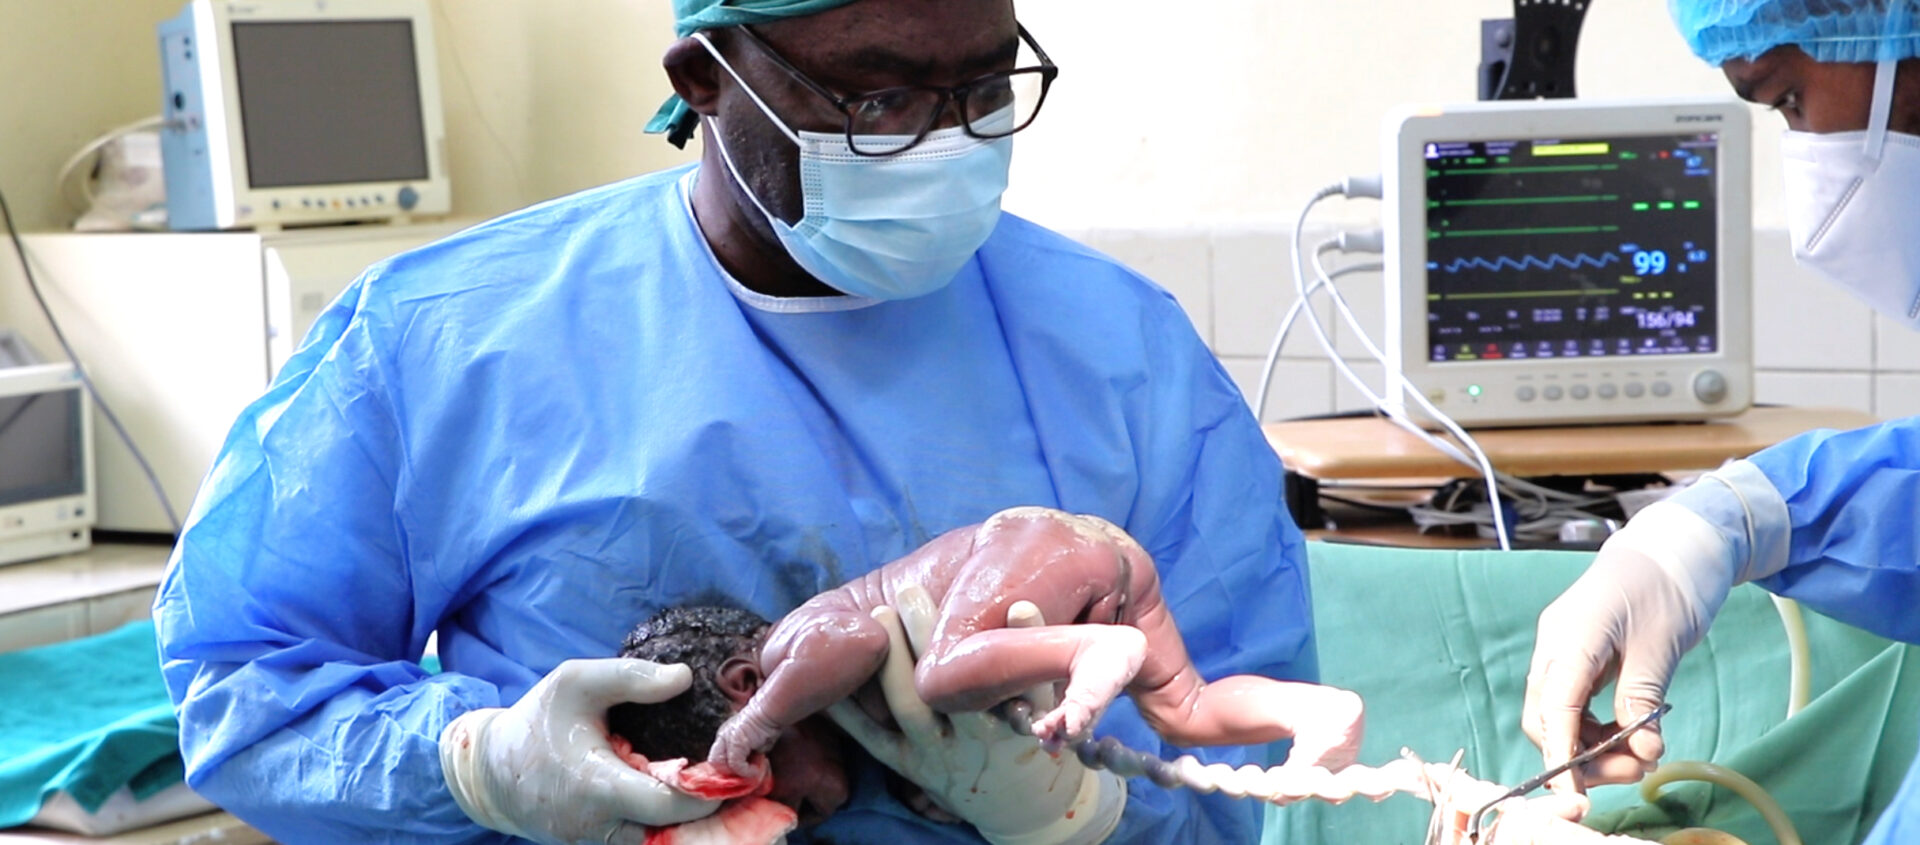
{"x":1533,"y":168}
{"x":1531,"y":294}
{"x":1538,"y":230}
{"x":1533,"y":200}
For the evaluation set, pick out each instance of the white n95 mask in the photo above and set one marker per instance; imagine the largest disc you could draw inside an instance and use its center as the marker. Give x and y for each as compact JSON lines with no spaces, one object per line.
{"x":1853,"y":206}
{"x":892,"y":227}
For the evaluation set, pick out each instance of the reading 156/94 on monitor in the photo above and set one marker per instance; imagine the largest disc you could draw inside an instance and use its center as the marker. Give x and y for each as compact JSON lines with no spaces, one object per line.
{"x":1571,"y":247}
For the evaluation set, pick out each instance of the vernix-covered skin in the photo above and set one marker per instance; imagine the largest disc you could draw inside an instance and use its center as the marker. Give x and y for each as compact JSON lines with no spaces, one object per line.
{"x":1118,"y":637}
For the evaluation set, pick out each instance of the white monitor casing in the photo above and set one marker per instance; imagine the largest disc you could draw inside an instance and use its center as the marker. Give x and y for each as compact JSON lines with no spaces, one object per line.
{"x":1610,"y":388}
{"x":203,"y":138}
{"x":36,"y":522}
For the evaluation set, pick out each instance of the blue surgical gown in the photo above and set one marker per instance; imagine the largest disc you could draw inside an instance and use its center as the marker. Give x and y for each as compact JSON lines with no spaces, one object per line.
{"x":533,"y":435}
{"x":1850,"y":530}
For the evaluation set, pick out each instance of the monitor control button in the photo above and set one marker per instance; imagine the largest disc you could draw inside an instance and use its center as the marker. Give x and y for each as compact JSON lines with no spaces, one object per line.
{"x":1661,"y":388}
{"x":1579,"y":391}
{"x":1709,"y":386}
{"x":1552,"y":392}
{"x":1635,"y":390}
{"x":408,"y":197}
{"x":1524,"y":394}
{"x":1607,"y":390}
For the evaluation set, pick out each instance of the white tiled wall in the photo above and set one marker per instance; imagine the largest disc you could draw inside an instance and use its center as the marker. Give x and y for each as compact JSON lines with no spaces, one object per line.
{"x":1813,"y":343}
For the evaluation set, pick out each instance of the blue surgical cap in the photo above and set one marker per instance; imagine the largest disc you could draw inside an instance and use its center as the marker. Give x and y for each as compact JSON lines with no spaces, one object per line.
{"x":1828,"y":30}
{"x":691,"y":16}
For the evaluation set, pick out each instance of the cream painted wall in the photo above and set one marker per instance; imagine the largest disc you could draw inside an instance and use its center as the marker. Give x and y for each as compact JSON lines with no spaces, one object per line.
{"x":542,"y":98}
{"x":1163,"y":116}
{"x":1235,"y":111}
{"x":69,"y":70}
{"x":547,"y":97}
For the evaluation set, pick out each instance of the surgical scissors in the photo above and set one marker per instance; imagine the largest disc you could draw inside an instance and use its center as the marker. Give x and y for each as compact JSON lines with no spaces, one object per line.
{"x":1533,"y":783}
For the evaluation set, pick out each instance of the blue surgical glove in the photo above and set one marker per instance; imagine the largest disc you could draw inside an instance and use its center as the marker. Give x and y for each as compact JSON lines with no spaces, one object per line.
{"x":974,"y":765}
{"x":544,"y":769}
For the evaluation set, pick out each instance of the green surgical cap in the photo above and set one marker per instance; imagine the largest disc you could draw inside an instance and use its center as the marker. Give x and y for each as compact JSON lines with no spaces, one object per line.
{"x":691,"y":16}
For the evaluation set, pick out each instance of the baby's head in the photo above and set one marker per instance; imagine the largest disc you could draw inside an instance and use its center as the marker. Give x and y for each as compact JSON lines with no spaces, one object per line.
{"x":707,"y":639}
{"x":722,"y":647}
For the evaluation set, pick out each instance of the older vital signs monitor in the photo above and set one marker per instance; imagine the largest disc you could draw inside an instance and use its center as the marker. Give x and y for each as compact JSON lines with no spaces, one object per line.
{"x":1569,"y":261}
{"x":301,"y":111}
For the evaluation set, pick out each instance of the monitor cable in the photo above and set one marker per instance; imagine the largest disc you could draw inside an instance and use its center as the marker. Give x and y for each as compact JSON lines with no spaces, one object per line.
{"x":1370,"y":187}
{"x":26,"y":267}
{"x":1541,"y":507}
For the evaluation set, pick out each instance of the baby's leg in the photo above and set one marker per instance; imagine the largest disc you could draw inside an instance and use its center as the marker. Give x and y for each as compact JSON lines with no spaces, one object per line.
{"x":820,"y":653}
{"x":1326,"y":723}
{"x":993,"y":666}
{"x":1053,"y":560}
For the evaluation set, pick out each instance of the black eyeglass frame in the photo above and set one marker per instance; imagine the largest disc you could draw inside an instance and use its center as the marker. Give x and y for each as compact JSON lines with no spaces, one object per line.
{"x":949,"y":95}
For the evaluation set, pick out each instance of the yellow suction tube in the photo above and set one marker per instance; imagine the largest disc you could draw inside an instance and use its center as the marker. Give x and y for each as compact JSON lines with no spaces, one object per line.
{"x":1799,"y":690}
{"x":1799,"y":676}
{"x":1728,"y":779}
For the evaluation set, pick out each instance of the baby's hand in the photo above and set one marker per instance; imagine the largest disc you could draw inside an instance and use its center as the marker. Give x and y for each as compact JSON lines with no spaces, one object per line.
{"x":738,"y":739}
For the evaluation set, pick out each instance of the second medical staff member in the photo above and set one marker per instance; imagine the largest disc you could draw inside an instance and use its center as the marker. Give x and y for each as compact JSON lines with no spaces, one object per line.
{"x":1831,"y":519}
{"x":748,"y":380}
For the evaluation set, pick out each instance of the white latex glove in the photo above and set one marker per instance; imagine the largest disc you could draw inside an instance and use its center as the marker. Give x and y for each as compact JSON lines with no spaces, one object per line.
{"x":1648,"y":596}
{"x":543,"y":769}
{"x":973,"y":765}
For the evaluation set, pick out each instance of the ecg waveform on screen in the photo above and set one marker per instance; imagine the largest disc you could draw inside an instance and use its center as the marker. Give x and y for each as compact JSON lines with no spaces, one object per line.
{"x":1526,"y":262}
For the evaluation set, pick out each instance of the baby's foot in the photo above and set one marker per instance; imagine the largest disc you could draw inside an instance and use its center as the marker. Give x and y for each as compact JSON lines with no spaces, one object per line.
{"x":1065,"y":723}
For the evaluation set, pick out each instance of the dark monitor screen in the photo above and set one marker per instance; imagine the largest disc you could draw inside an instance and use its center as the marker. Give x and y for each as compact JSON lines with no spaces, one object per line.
{"x":1572,"y":247}
{"x":41,"y":452}
{"x":329,"y":102}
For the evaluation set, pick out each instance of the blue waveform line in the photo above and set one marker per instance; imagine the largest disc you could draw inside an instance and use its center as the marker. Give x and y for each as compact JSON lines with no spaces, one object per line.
{"x":1524,"y":262}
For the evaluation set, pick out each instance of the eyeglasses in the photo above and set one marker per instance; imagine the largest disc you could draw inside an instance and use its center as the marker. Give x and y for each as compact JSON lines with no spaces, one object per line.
{"x":893,"y":120}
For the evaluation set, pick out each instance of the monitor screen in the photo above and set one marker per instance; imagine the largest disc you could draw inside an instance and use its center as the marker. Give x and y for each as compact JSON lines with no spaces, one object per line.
{"x":1571,"y":247}
{"x":329,"y":102}
{"x":41,"y":453}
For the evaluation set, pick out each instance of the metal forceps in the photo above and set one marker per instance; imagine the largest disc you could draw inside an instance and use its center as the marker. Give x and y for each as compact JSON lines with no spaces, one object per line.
{"x":1533,"y":783}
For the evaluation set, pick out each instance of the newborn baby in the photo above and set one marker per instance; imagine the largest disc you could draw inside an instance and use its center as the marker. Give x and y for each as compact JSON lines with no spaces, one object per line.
{"x":720,"y":645}
{"x":1118,"y":636}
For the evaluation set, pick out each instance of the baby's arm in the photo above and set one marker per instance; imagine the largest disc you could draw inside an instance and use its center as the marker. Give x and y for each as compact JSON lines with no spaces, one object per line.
{"x":820,"y":653}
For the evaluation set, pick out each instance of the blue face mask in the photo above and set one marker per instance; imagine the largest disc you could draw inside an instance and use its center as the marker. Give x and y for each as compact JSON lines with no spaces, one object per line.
{"x":892,"y":227}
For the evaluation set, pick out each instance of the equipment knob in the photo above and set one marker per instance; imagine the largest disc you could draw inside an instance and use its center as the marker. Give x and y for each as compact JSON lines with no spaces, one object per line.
{"x":408,"y":198}
{"x":1709,"y":386}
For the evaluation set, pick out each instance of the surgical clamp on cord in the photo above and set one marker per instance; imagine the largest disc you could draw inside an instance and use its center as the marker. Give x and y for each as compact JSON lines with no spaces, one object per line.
{"x":1109,"y":754}
{"x":1535,"y":782}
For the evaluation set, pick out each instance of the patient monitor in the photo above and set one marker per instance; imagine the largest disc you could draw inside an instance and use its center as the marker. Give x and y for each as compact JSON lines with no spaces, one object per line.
{"x":1570,"y":261}
{"x":299,"y":112}
{"x":46,"y":455}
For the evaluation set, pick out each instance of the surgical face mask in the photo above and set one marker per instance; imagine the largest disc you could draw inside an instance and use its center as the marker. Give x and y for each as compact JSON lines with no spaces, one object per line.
{"x":892,"y":227}
{"x":1853,"y":205}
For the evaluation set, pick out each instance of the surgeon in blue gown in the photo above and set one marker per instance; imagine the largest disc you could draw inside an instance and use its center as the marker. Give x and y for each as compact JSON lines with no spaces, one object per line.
{"x":1829,"y":518}
{"x":754,"y":379}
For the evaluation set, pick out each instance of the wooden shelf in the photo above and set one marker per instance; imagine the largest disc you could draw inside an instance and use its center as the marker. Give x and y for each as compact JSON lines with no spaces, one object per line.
{"x":1373,"y":448}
